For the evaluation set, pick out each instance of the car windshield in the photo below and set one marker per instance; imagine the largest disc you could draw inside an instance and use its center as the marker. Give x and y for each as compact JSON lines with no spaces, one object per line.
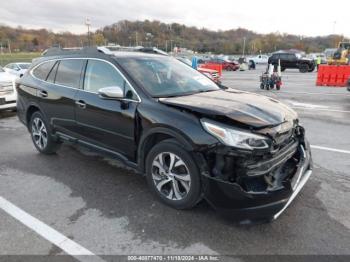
{"x":166,"y":76}
{"x":185,"y":60}
{"x":24,"y":65}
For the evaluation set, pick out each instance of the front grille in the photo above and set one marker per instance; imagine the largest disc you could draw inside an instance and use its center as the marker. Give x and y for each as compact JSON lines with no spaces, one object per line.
{"x":264,"y":166}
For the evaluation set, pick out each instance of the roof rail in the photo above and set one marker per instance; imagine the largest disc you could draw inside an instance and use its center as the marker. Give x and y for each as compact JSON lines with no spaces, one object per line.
{"x":117,"y":48}
{"x":67,"y":51}
{"x":108,"y":50}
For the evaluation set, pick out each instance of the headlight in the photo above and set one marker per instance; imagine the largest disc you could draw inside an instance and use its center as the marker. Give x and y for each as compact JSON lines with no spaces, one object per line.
{"x":6,"y":86}
{"x":234,"y":137}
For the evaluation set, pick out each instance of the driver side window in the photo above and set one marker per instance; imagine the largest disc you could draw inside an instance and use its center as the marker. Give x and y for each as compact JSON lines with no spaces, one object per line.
{"x":100,"y":74}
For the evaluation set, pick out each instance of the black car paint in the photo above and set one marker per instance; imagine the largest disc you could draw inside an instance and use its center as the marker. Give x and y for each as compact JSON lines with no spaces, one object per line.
{"x":250,"y":110}
{"x":128,"y":129}
{"x":289,"y":62}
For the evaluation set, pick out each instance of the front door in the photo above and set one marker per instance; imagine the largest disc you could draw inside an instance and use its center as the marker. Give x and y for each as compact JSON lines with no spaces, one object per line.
{"x":107,"y":123}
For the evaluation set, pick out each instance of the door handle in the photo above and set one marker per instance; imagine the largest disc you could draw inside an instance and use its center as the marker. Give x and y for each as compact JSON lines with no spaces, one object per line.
{"x":43,"y":93}
{"x":81,"y":104}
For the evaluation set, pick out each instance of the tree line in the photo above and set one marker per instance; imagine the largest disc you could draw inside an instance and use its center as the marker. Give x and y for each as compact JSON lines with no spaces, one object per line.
{"x":166,"y":37}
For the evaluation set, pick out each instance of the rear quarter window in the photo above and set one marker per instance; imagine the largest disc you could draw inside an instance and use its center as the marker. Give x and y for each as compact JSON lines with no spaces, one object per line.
{"x":41,"y":72}
{"x":51,"y":77}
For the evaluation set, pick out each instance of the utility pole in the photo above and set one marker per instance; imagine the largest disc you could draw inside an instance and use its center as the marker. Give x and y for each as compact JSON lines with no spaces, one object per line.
{"x":171,"y":45}
{"x":0,"y":53}
{"x":244,"y":38}
{"x":9,"y":45}
{"x":88,"y":24}
{"x":335,"y":38}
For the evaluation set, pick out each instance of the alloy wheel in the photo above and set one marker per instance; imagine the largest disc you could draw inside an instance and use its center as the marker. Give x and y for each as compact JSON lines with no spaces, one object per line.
{"x":39,"y":133}
{"x":171,"y":176}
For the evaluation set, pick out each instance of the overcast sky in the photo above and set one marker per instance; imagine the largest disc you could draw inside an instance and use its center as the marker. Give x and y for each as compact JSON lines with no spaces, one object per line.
{"x":301,"y":17}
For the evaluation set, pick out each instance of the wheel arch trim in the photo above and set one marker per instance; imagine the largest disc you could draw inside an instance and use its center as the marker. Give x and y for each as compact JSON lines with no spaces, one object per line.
{"x":31,"y":105}
{"x":183,"y":140}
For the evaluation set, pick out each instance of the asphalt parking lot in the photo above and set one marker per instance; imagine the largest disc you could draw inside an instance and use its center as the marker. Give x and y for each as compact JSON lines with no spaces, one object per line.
{"x":108,"y":210}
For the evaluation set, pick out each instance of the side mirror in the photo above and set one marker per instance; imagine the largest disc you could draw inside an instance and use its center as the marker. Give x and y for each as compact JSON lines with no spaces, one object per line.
{"x":111,"y":92}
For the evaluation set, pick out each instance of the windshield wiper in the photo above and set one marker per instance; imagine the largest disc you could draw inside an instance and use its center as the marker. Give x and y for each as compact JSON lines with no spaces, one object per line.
{"x":186,"y":93}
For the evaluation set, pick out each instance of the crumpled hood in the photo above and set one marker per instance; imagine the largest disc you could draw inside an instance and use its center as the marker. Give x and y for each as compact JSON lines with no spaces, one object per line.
{"x":246,"y":108}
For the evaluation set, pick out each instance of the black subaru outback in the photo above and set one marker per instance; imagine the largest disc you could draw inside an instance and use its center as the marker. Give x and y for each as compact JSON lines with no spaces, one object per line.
{"x":244,"y":153}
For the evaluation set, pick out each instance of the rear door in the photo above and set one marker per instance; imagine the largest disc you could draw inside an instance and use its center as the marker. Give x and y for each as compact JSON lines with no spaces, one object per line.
{"x":104,"y":122}
{"x":284,"y":61}
{"x":293,"y":61}
{"x":57,"y":95}
{"x":274,"y":59}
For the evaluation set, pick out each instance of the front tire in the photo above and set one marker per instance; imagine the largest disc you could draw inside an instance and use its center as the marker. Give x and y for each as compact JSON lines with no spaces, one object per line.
{"x":41,"y":135}
{"x":304,"y":68}
{"x":173,"y":175}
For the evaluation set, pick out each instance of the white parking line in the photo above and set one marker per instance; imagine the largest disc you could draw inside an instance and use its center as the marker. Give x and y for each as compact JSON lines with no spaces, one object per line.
{"x":306,"y":105}
{"x":321,"y":109}
{"x":331,"y":149}
{"x":312,"y":93}
{"x":50,"y":234}
{"x":309,"y":106}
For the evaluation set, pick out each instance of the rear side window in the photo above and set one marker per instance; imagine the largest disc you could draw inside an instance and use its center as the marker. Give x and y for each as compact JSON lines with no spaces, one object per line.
{"x":291,"y":57}
{"x":69,"y":71}
{"x":43,"y":70}
{"x":283,"y":56}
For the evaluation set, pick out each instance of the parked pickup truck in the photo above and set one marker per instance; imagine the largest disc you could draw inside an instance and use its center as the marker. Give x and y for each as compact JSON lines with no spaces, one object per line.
{"x":259,"y":59}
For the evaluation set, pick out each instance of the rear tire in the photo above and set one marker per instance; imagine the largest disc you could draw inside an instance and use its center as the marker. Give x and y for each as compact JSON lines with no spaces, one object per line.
{"x":41,"y":135}
{"x":173,"y":175}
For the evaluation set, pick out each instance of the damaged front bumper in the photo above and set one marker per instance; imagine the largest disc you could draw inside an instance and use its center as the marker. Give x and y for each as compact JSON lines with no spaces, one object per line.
{"x":267,"y":187}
